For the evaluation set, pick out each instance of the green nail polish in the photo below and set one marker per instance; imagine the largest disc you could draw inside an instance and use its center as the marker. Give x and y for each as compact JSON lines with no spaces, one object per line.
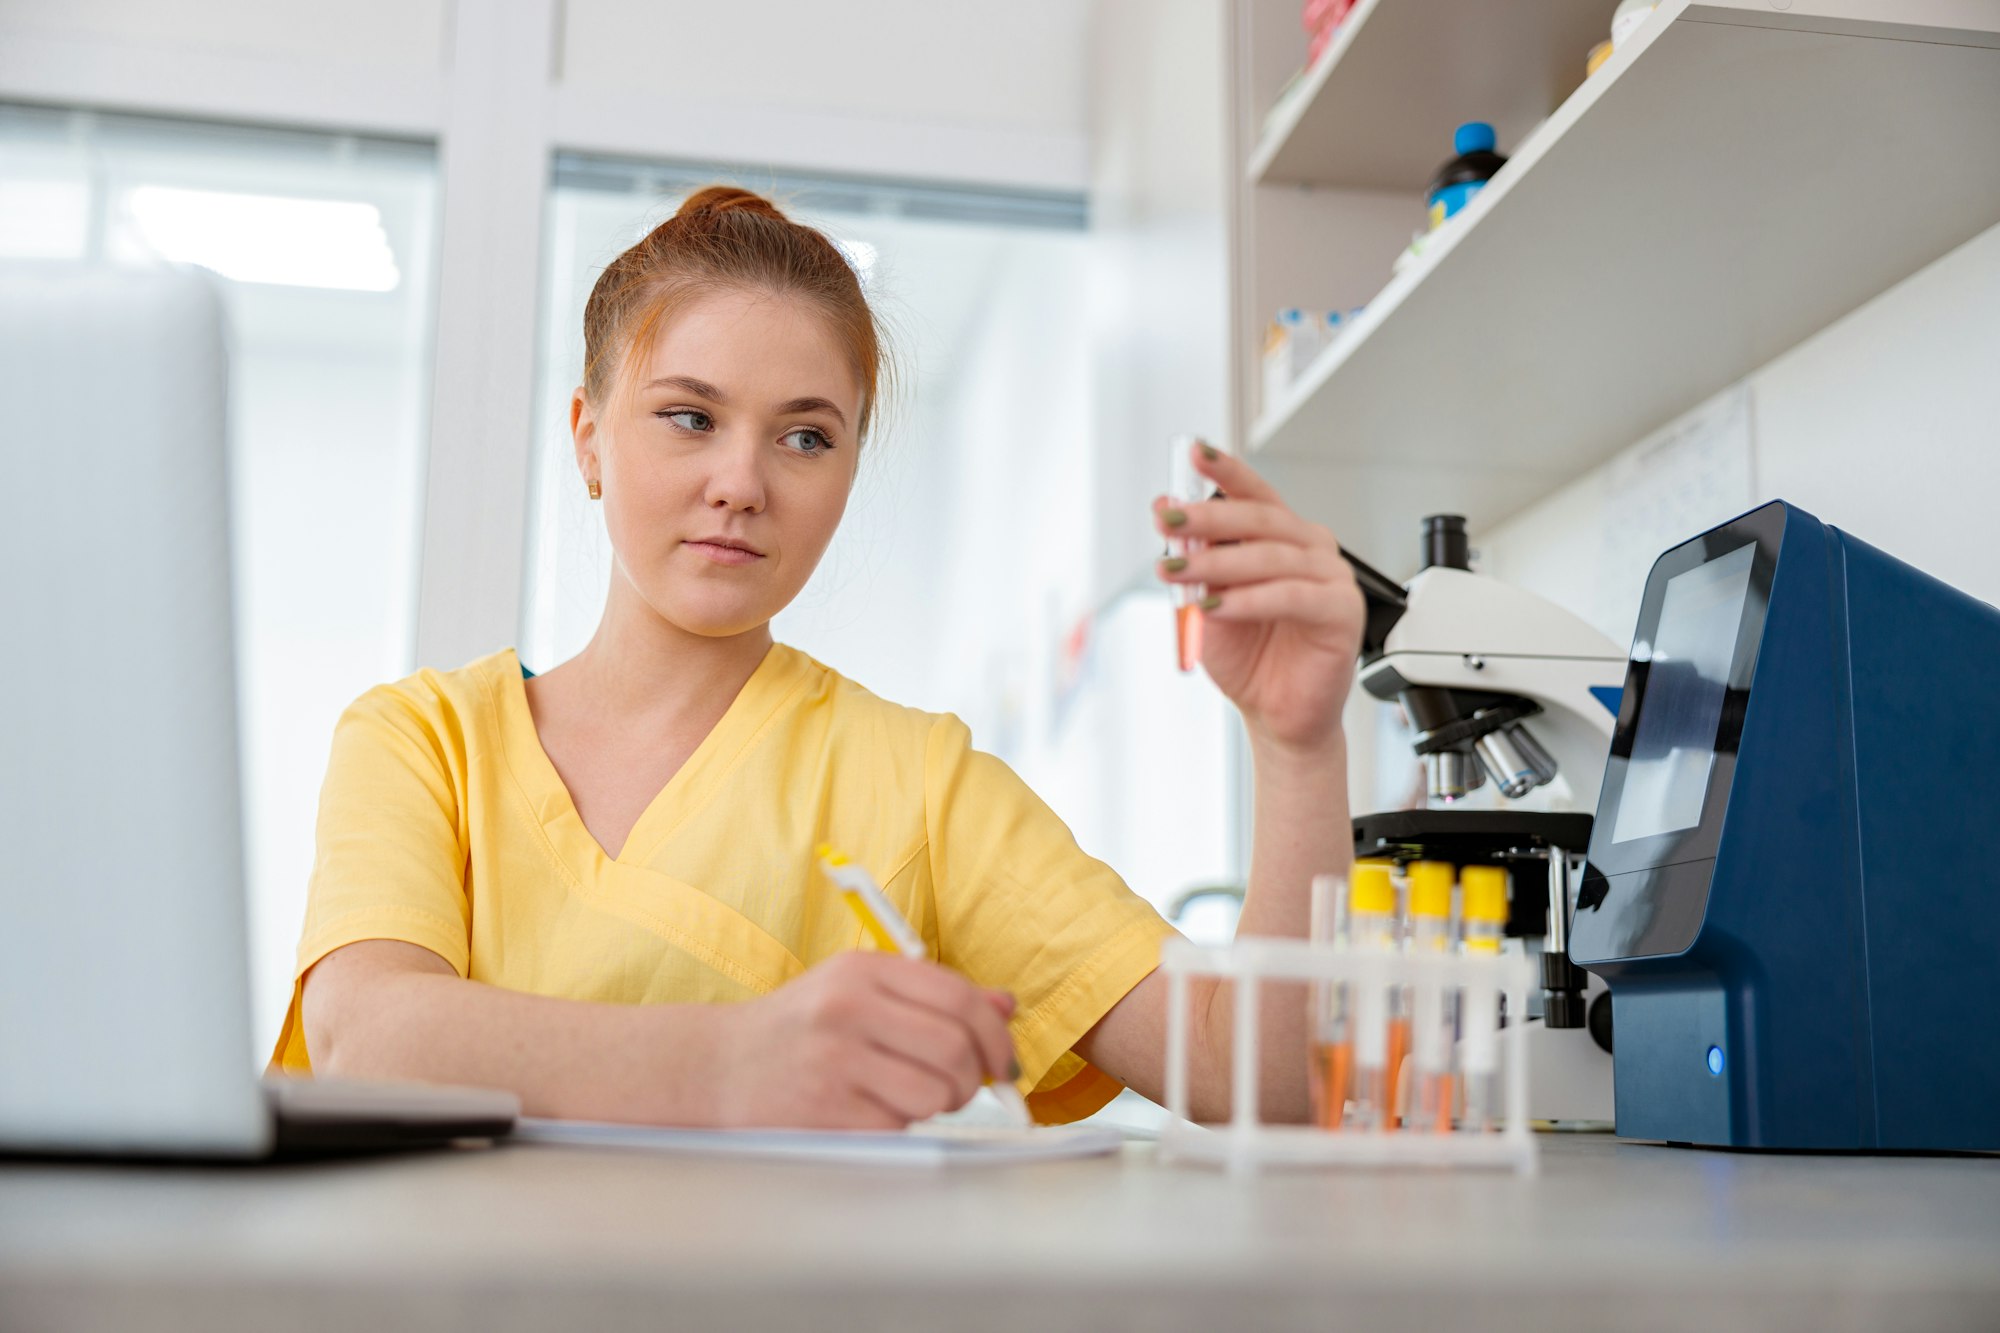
{"x":1174,"y":564}
{"x":1014,"y":1070}
{"x":1175,"y":517}
{"x":1210,"y":602}
{"x":1210,"y":452}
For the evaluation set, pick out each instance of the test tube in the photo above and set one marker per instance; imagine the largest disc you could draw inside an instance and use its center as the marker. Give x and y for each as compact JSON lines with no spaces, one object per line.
{"x":1332,"y":1050}
{"x":1485,"y":910}
{"x":1375,"y":1012}
{"x":1428,"y":1094}
{"x":1188,"y":487}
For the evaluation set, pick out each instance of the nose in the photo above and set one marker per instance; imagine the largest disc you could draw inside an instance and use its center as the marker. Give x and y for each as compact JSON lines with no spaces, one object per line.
{"x":736,"y":479}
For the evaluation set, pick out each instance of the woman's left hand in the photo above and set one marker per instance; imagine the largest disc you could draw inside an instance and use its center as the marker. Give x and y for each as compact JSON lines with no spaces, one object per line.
{"x":1283,"y":613}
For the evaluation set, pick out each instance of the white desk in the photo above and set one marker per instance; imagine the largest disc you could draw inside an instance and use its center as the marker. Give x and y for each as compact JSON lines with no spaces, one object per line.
{"x":1609,"y":1235}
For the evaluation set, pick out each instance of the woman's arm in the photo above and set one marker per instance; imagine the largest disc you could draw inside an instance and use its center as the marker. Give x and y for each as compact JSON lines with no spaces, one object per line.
{"x":1301,"y":831}
{"x":864,"y":1040}
{"x":1283,"y":635}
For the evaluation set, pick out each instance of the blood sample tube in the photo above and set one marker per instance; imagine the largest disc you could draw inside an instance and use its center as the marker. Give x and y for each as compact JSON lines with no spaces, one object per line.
{"x":1485,"y":912}
{"x":1427,"y":1092}
{"x":1332,"y":1049}
{"x":1375,"y":1009}
{"x":1188,"y":487}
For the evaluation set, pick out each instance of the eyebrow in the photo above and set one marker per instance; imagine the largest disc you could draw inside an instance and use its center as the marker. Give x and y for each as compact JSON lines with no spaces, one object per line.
{"x":812,"y":405}
{"x":703,"y":389}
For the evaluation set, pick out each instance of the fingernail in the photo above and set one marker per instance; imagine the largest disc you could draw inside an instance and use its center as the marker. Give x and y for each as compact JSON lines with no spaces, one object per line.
{"x":1210,"y":602}
{"x":1210,"y":452}
{"x":1174,"y":564}
{"x":1014,"y":1070}
{"x":1174,"y":517}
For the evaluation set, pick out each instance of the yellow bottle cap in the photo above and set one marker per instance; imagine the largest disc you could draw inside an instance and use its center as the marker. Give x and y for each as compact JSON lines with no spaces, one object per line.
{"x":1370,"y":889}
{"x":1430,"y":888}
{"x":1485,"y":893}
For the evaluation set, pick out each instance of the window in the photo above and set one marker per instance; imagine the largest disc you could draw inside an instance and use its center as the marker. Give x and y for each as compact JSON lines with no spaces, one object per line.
{"x":326,"y":243}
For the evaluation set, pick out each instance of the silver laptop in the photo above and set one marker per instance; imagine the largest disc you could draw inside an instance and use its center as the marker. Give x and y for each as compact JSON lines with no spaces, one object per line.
{"x":124,"y":975}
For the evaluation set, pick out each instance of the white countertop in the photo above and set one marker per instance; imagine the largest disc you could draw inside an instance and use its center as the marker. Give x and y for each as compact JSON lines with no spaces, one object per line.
{"x":1608,"y":1235}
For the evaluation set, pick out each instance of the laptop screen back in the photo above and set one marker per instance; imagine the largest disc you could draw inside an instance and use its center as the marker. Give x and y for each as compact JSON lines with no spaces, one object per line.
{"x":124,"y":994}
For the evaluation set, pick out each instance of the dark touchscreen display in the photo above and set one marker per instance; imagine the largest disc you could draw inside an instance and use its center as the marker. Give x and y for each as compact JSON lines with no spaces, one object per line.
{"x":1687,"y":678}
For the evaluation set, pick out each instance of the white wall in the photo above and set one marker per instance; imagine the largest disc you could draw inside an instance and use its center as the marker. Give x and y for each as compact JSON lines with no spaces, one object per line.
{"x":1020,"y":67}
{"x":407,"y":34}
{"x":1883,"y":424}
{"x":1158,"y":752}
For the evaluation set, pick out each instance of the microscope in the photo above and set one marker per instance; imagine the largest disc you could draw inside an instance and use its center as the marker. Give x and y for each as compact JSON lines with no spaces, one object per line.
{"x":1513,"y":702}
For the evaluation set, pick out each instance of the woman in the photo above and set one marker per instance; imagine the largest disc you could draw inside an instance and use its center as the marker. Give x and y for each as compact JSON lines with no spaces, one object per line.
{"x":553,"y":883}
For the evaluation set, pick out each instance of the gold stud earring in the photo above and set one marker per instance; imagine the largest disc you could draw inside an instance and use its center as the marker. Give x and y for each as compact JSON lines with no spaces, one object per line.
{"x":596,"y":491}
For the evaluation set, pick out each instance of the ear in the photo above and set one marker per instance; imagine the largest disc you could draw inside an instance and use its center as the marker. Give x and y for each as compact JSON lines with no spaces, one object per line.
{"x":583,"y":434}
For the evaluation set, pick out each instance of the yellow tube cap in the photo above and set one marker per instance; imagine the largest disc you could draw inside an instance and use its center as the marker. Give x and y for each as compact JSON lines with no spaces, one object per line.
{"x":1430,"y":888}
{"x":1370,"y":889}
{"x":1485,"y":893}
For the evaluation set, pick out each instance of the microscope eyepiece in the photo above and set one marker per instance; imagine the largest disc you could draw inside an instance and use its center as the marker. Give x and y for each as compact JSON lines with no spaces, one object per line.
{"x":1445,"y":543}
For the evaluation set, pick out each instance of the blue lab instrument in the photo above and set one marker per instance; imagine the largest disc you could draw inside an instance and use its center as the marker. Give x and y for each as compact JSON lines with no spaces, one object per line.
{"x":1791,"y":888}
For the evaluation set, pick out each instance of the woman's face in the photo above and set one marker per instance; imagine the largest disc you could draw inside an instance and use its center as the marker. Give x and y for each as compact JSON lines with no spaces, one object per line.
{"x":726,"y":462}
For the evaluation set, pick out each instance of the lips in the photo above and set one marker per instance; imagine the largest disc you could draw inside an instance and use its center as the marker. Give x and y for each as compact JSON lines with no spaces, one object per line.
{"x":724,"y":550}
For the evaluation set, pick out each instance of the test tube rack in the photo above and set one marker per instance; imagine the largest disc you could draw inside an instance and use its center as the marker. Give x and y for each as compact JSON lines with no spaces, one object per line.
{"x":1244,"y":1145}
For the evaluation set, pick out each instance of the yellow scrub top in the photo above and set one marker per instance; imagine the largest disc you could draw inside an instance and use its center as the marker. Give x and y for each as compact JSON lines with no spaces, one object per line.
{"x":442,"y":822}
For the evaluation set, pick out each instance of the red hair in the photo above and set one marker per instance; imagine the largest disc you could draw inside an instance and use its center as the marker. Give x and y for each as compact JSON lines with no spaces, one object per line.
{"x":725,"y":238}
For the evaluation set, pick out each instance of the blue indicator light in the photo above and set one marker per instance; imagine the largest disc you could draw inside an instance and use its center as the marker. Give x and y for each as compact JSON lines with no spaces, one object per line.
{"x":1715,"y":1061}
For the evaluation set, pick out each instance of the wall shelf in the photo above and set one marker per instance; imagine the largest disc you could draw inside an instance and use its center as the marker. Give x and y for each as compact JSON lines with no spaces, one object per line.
{"x":1377,"y":111}
{"x":1732,"y":181}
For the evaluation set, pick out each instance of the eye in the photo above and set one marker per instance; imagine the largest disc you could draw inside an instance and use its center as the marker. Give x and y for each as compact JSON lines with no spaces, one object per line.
{"x":808,"y":441}
{"x":687,"y":418}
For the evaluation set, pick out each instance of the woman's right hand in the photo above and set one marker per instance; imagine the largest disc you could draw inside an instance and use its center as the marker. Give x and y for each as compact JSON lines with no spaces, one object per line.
{"x":864,"y":1041}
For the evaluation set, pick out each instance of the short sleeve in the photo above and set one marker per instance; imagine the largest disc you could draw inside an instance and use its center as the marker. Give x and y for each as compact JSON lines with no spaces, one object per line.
{"x":389,"y":859}
{"x":1022,"y":908}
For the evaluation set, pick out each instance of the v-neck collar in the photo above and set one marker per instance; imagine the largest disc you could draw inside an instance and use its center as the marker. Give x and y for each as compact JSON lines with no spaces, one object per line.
{"x":778,"y":677}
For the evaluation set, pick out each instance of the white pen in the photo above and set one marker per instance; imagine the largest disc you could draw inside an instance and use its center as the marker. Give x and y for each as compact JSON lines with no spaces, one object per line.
{"x":886,"y":926}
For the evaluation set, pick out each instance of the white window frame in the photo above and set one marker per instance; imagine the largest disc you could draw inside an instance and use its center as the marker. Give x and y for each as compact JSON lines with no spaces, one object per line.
{"x":496,"y":142}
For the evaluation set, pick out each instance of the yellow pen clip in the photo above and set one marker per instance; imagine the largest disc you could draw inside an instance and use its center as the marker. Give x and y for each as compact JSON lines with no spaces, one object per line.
{"x":891,"y":933}
{"x":864,"y":897}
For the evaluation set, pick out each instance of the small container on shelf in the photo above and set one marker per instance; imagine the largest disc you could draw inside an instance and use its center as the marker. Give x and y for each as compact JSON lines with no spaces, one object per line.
{"x":1291,"y":342}
{"x":1458,"y":180}
{"x":1322,"y":19}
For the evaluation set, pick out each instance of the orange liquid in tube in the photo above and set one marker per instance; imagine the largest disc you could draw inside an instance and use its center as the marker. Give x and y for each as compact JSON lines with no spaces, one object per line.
{"x":1330,"y":1066}
{"x":1399,"y":1050}
{"x":1187,"y":636}
{"x":1187,"y":487}
{"x":1333,"y":1072}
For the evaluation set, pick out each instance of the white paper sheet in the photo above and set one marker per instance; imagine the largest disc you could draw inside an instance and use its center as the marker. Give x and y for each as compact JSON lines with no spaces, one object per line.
{"x":923,"y":1145}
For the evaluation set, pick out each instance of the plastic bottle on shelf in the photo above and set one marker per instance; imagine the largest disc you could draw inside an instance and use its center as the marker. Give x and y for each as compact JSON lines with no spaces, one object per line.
{"x":1625,"y":20}
{"x":1628,"y":17}
{"x":1302,"y":338}
{"x":1290,"y":344}
{"x":1321,"y":19}
{"x":1485,"y":912}
{"x":1466,"y":174}
{"x":1277,"y":363}
{"x":1330,"y":327}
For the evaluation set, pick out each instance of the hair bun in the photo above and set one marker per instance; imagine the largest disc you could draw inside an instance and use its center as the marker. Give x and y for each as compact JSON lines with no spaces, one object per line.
{"x":714,"y":200}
